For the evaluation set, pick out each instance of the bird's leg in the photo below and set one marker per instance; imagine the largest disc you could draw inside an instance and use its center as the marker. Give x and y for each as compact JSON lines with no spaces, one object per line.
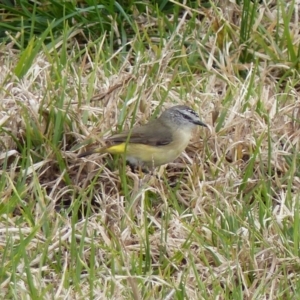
{"x":141,"y":170}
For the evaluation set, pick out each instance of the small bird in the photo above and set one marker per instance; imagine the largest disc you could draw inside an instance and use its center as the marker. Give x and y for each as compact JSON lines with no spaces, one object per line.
{"x":156,"y":143}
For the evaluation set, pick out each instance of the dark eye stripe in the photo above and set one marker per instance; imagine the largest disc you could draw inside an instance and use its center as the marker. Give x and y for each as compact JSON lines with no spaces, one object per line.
{"x":189,"y":114}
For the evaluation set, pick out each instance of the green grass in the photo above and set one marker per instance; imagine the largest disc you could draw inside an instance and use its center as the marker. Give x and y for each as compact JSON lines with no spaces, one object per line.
{"x":222,"y":221}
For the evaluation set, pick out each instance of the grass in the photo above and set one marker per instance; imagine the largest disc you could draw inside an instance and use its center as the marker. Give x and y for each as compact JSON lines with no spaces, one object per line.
{"x":222,"y":221}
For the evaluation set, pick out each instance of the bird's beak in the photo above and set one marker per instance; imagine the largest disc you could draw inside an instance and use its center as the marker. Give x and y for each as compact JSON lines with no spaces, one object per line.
{"x":200,"y":123}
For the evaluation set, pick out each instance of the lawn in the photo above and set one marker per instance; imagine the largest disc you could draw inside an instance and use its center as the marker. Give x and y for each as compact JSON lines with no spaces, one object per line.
{"x":220,"y":222}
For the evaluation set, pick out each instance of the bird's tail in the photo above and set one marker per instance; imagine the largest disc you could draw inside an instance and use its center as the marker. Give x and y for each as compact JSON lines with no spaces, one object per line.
{"x":97,"y":150}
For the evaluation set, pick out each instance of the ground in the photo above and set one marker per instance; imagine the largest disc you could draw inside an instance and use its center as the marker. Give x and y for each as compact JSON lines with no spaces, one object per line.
{"x":220,"y":222}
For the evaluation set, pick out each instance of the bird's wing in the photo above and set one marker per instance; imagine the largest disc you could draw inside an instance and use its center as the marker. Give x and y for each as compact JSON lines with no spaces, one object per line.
{"x":139,"y":136}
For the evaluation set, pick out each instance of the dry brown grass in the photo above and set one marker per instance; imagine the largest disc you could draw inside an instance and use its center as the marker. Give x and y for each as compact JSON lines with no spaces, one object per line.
{"x":220,"y":222}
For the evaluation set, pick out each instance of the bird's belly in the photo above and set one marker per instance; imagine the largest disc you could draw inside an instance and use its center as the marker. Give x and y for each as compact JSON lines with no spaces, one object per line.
{"x":153,"y":156}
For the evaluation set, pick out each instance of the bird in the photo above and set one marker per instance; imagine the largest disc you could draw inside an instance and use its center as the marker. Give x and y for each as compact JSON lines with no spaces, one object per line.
{"x":158,"y":142}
